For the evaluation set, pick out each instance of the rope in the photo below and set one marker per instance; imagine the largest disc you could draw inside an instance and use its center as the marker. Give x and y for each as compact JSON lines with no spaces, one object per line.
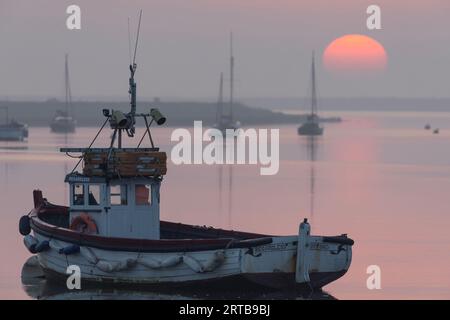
{"x":74,"y":157}
{"x":90,"y":146}
{"x":147,"y":131}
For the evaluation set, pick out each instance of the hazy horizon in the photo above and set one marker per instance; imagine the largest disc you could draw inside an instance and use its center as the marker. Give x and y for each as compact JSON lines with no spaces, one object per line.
{"x":184,"y":45}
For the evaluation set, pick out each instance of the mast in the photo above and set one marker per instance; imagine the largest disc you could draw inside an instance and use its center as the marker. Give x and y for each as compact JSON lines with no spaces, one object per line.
{"x":313,"y":88}
{"x":231,"y":77}
{"x":6,"y":113}
{"x":219,"y":113}
{"x":68,"y":98}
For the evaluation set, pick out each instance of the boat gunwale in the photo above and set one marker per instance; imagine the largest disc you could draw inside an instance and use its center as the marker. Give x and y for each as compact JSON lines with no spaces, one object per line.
{"x":142,"y":245}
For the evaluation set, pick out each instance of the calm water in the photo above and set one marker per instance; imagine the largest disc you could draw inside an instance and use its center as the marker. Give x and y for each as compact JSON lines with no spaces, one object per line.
{"x":380,"y":177}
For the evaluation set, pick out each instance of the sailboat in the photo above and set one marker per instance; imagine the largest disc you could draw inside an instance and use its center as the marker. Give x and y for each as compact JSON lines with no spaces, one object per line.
{"x":311,"y":127}
{"x":63,"y":122}
{"x":224,"y":119}
{"x":12,"y":130}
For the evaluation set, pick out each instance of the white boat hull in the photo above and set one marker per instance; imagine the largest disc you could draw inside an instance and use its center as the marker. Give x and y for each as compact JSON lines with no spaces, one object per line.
{"x":271,"y":265}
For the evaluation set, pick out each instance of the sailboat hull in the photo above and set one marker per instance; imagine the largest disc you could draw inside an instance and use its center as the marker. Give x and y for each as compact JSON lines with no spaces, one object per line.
{"x":9,"y":133}
{"x":63,"y":126}
{"x":310,"y":129}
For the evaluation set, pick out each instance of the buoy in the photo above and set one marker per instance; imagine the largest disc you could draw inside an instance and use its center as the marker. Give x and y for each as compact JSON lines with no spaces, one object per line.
{"x":42,"y":246}
{"x":84,"y":224}
{"x":30,"y":242}
{"x":24,"y":225}
{"x":72,"y":249}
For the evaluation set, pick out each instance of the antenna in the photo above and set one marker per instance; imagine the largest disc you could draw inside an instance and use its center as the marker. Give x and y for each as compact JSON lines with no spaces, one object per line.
{"x":129,"y":40}
{"x":137,"y":37}
{"x":133,"y":66}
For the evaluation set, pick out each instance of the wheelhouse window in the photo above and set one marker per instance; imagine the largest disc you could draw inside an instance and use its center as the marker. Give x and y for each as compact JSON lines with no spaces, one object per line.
{"x":94,"y":195}
{"x":78,"y":194}
{"x":118,"y":195}
{"x":143,"y":194}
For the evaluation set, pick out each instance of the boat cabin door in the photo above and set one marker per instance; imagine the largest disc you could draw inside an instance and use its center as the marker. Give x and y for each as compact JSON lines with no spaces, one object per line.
{"x":133,"y":210}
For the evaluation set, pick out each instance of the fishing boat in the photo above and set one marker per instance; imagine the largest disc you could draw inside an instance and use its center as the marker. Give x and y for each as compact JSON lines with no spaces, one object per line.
{"x":12,"y":130}
{"x":63,"y":122}
{"x":112,"y":230}
{"x":311,"y":126}
{"x":224,"y":116}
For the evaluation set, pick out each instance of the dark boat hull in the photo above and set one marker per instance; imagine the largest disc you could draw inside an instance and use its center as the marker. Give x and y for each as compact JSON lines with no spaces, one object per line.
{"x":310,"y":129}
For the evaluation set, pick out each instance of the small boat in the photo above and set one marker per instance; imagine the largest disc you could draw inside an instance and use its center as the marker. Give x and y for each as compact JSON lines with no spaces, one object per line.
{"x":427,"y":126}
{"x":112,"y":230}
{"x":224,"y":118}
{"x":63,"y":122}
{"x":13,"y":130}
{"x":436,"y":131}
{"x":311,"y":126}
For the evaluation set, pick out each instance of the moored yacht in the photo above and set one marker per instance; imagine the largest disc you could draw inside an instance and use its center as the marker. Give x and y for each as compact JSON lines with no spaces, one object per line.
{"x":224,"y":114}
{"x":311,"y":126}
{"x":12,"y":130}
{"x":63,"y":122}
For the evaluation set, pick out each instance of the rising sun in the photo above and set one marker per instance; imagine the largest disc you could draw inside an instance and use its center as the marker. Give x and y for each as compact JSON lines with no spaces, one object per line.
{"x":355,"y":52}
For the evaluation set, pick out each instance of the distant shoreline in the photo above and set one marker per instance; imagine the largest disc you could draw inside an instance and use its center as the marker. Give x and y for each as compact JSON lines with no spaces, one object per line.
{"x":269,"y":111}
{"x":356,"y":104}
{"x":88,"y":114}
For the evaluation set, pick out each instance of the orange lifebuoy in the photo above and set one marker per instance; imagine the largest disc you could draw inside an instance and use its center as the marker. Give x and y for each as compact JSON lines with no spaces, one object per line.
{"x":84,"y":224}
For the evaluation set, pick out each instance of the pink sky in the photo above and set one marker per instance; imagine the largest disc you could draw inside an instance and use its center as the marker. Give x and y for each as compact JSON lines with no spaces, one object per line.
{"x":185,"y":45}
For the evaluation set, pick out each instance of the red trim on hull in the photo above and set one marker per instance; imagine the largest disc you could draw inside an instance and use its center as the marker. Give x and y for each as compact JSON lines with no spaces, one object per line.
{"x":141,"y":245}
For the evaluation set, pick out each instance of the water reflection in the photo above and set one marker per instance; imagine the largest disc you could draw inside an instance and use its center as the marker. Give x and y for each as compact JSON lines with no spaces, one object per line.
{"x":13,"y":148}
{"x":36,"y":286}
{"x":374,"y":177}
{"x":225,"y":173}
{"x":312,"y":149}
{"x":225,"y":183}
{"x":311,"y":145}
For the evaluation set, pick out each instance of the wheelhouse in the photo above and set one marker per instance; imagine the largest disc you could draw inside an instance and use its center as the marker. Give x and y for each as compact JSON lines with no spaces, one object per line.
{"x":124,"y":208}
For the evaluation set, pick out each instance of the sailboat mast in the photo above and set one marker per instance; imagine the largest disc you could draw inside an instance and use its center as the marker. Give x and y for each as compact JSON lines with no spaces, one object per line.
{"x":219,"y":113}
{"x":231,"y":76}
{"x":6,"y":114}
{"x":313,"y":88}
{"x":68,"y":99}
